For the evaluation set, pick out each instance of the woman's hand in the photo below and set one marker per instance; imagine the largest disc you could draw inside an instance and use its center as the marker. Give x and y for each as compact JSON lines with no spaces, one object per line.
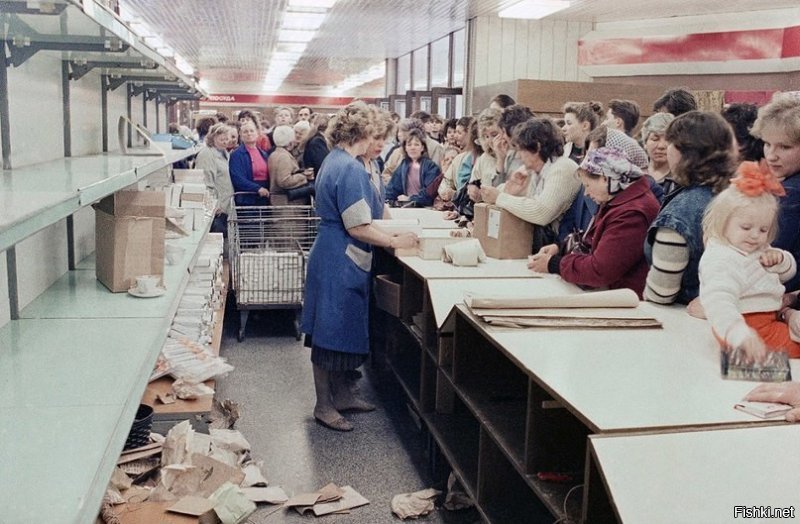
{"x":263,"y":192}
{"x":771,"y":257}
{"x":474,"y":193}
{"x":517,"y":184}
{"x":500,"y":145}
{"x":489,"y":194}
{"x":402,"y":198}
{"x":754,"y":348}
{"x":309,"y":173}
{"x":786,"y":393}
{"x":540,"y":260}
{"x":448,"y":194}
{"x":404,"y":241}
{"x":450,"y":215}
{"x":695,"y":309}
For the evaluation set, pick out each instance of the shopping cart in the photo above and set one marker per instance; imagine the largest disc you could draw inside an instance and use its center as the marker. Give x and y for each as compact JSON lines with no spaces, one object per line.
{"x":267,"y":248}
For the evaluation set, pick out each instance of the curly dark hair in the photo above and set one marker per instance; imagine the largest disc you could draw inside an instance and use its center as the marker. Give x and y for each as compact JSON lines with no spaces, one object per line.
{"x":419,"y":135}
{"x":513,"y":116}
{"x":704,"y":140}
{"x":741,"y":117}
{"x":591,"y":112}
{"x":541,"y":136}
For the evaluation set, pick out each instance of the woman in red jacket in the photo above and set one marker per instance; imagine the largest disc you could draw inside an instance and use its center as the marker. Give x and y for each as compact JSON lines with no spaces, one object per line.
{"x":612,"y":254}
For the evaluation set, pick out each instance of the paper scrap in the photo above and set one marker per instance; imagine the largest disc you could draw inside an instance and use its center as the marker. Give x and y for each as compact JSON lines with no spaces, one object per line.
{"x":232,"y":506}
{"x":229,"y":439}
{"x":270,"y":495}
{"x":329,"y":492}
{"x":253,"y":476}
{"x":349,"y":500}
{"x":167,"y":398}
{"x":185,"y":390}
{"x":192,"y":505}
{"x":456,"y":498}
{"x":303,"y":499}
{"x":119,"y":480}
{"x":224,"y":414}
{"x":177,"y":443}
{"x":416,"y":504}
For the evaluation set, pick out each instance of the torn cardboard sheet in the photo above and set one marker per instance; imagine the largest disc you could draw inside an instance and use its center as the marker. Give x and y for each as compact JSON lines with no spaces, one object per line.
{"x":231,"y":505}
{"x":350,"y":499}
{"x":167,"y":398}
{"x":195,"y":506}
{"x":416,"y":504}
{"x":270,"y":495}
{"x":177,"y":444}
{"x":178,"y":480}
{"x":201,"y":444}
{"x":214,"y":474}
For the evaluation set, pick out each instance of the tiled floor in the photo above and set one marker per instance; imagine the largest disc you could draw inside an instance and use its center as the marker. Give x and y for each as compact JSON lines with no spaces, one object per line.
{"x":272,"y":383}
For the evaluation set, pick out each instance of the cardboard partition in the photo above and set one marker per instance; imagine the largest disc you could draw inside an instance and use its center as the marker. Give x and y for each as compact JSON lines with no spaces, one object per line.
{"x":127,"y":247}
{"x":501,"y":234}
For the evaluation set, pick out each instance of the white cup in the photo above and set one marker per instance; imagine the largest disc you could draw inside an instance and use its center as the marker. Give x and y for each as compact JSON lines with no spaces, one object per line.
{"x":146,"y":284}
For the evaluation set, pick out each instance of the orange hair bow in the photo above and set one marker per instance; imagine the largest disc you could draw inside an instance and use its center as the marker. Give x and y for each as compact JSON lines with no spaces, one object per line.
{"x":753,"y":179}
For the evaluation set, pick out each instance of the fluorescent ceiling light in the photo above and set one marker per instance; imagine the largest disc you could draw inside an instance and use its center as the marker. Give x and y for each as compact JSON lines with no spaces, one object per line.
{"x":324,"y":4}
{"x":307,"y":21}
{"x":293,"y":48}
{"x":289,"y":35}
{"x":533,"y":9}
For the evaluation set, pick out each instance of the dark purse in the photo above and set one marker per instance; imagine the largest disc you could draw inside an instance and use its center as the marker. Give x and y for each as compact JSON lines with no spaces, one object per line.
{"x":462,"y":203}
{"x":303,"y":192}
{"x":574,"y":243}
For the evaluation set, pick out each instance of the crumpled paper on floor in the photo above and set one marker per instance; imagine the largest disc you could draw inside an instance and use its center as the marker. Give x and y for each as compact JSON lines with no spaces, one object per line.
{"x":414,"y":505}
{"x":253,"y":476}
{"x":231,"y":505}
{"x":223,"y":414}
{"x":178,"y":444}
{"x":456,"y":498}
{"x":177,"y":480}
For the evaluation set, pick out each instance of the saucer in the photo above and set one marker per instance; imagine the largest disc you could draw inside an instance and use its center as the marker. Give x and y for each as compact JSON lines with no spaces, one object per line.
{"x":157,"y":292}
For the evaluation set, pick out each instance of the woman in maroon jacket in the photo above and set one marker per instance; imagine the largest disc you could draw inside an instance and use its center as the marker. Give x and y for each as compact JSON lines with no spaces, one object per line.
{"x":612,"y":252}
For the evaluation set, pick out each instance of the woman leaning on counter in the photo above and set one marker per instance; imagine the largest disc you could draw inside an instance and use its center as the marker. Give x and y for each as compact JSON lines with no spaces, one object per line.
{"x":213,"y":160}
{"x":336,"y":309}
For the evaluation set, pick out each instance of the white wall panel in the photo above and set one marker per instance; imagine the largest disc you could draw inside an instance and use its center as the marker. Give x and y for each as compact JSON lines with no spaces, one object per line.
{"x":41,"y":260}
{"x":83,"y":224}
{"x":35,"y":111}
{"x":508,"y":49}
{"x":151,"y":115}
{"x":496,"y":50}
{"x":117,"y":107}
{"x":520,"y":49}
{"x":481,"y":51}
{"x":5,"y":310}
{"x":85,"y":114}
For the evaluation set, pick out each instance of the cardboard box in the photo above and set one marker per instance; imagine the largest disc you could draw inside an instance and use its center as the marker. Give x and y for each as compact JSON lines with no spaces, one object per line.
{"x":388,"y":295}
{"x":129,"y":238}
{"x":191,"y":176}
{"x":501,"y":234}
{"x":432,"y":241}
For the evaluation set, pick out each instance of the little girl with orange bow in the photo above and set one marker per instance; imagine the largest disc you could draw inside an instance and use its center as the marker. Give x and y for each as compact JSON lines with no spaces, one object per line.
{"x":741,"y":275}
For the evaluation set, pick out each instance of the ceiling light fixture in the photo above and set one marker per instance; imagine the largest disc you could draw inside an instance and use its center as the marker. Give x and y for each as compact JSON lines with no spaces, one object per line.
{"x":319,"y":4}
{"x":306,"y":21}
{"x":533,"y":9}
{"x":292,"y":35}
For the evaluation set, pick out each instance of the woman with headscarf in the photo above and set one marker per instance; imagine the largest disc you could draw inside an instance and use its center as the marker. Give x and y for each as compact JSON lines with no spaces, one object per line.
{"x":613,"y":254}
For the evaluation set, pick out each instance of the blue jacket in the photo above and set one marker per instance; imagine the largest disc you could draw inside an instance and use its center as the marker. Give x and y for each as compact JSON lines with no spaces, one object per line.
{"x":428,"y":171}
{"x":789,"y":224}
{"x":241,"y":170}
{"x":682,"y":212}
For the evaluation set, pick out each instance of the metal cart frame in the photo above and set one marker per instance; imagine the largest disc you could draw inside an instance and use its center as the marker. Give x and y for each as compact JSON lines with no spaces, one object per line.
{"x":267,"y":248}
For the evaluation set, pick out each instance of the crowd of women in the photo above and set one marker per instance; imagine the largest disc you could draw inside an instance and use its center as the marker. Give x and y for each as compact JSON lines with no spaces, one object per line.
{"x":700,"y":208}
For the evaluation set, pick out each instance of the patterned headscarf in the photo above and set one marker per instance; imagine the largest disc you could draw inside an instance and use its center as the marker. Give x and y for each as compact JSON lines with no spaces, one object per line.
{"x":614,"y":164}
{"x":629,"y":146}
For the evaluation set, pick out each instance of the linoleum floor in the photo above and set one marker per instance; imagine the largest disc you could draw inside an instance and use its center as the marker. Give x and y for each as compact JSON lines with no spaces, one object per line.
{"x":272,"y":383}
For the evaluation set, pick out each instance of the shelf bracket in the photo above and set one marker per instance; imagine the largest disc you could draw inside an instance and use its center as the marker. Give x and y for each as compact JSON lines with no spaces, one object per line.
{"x":79,"y":68}
{"x":24,"y":42}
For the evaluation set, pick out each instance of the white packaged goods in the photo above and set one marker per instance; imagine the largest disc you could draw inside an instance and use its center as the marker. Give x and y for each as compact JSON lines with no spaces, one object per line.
{"x":270,"y":277}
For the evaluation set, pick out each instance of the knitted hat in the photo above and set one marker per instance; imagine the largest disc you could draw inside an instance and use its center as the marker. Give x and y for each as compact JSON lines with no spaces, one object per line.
{"x":629,"y":146}
{"x":614,"y":165}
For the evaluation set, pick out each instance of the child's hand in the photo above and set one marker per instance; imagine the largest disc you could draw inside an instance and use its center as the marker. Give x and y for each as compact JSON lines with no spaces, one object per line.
{"x":754,"y":348}
{"x":771,"y":257}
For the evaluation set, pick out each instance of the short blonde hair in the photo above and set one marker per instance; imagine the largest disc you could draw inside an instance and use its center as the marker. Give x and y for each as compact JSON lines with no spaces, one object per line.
{"x":215,"y":131}
{"x":782,"y":112}
{"x":382,"y":123}
{"x":350,"y":125}
{"x":728,"y":202}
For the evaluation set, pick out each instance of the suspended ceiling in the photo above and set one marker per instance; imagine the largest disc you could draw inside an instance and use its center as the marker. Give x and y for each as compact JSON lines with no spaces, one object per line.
{"x":230,"y":43}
